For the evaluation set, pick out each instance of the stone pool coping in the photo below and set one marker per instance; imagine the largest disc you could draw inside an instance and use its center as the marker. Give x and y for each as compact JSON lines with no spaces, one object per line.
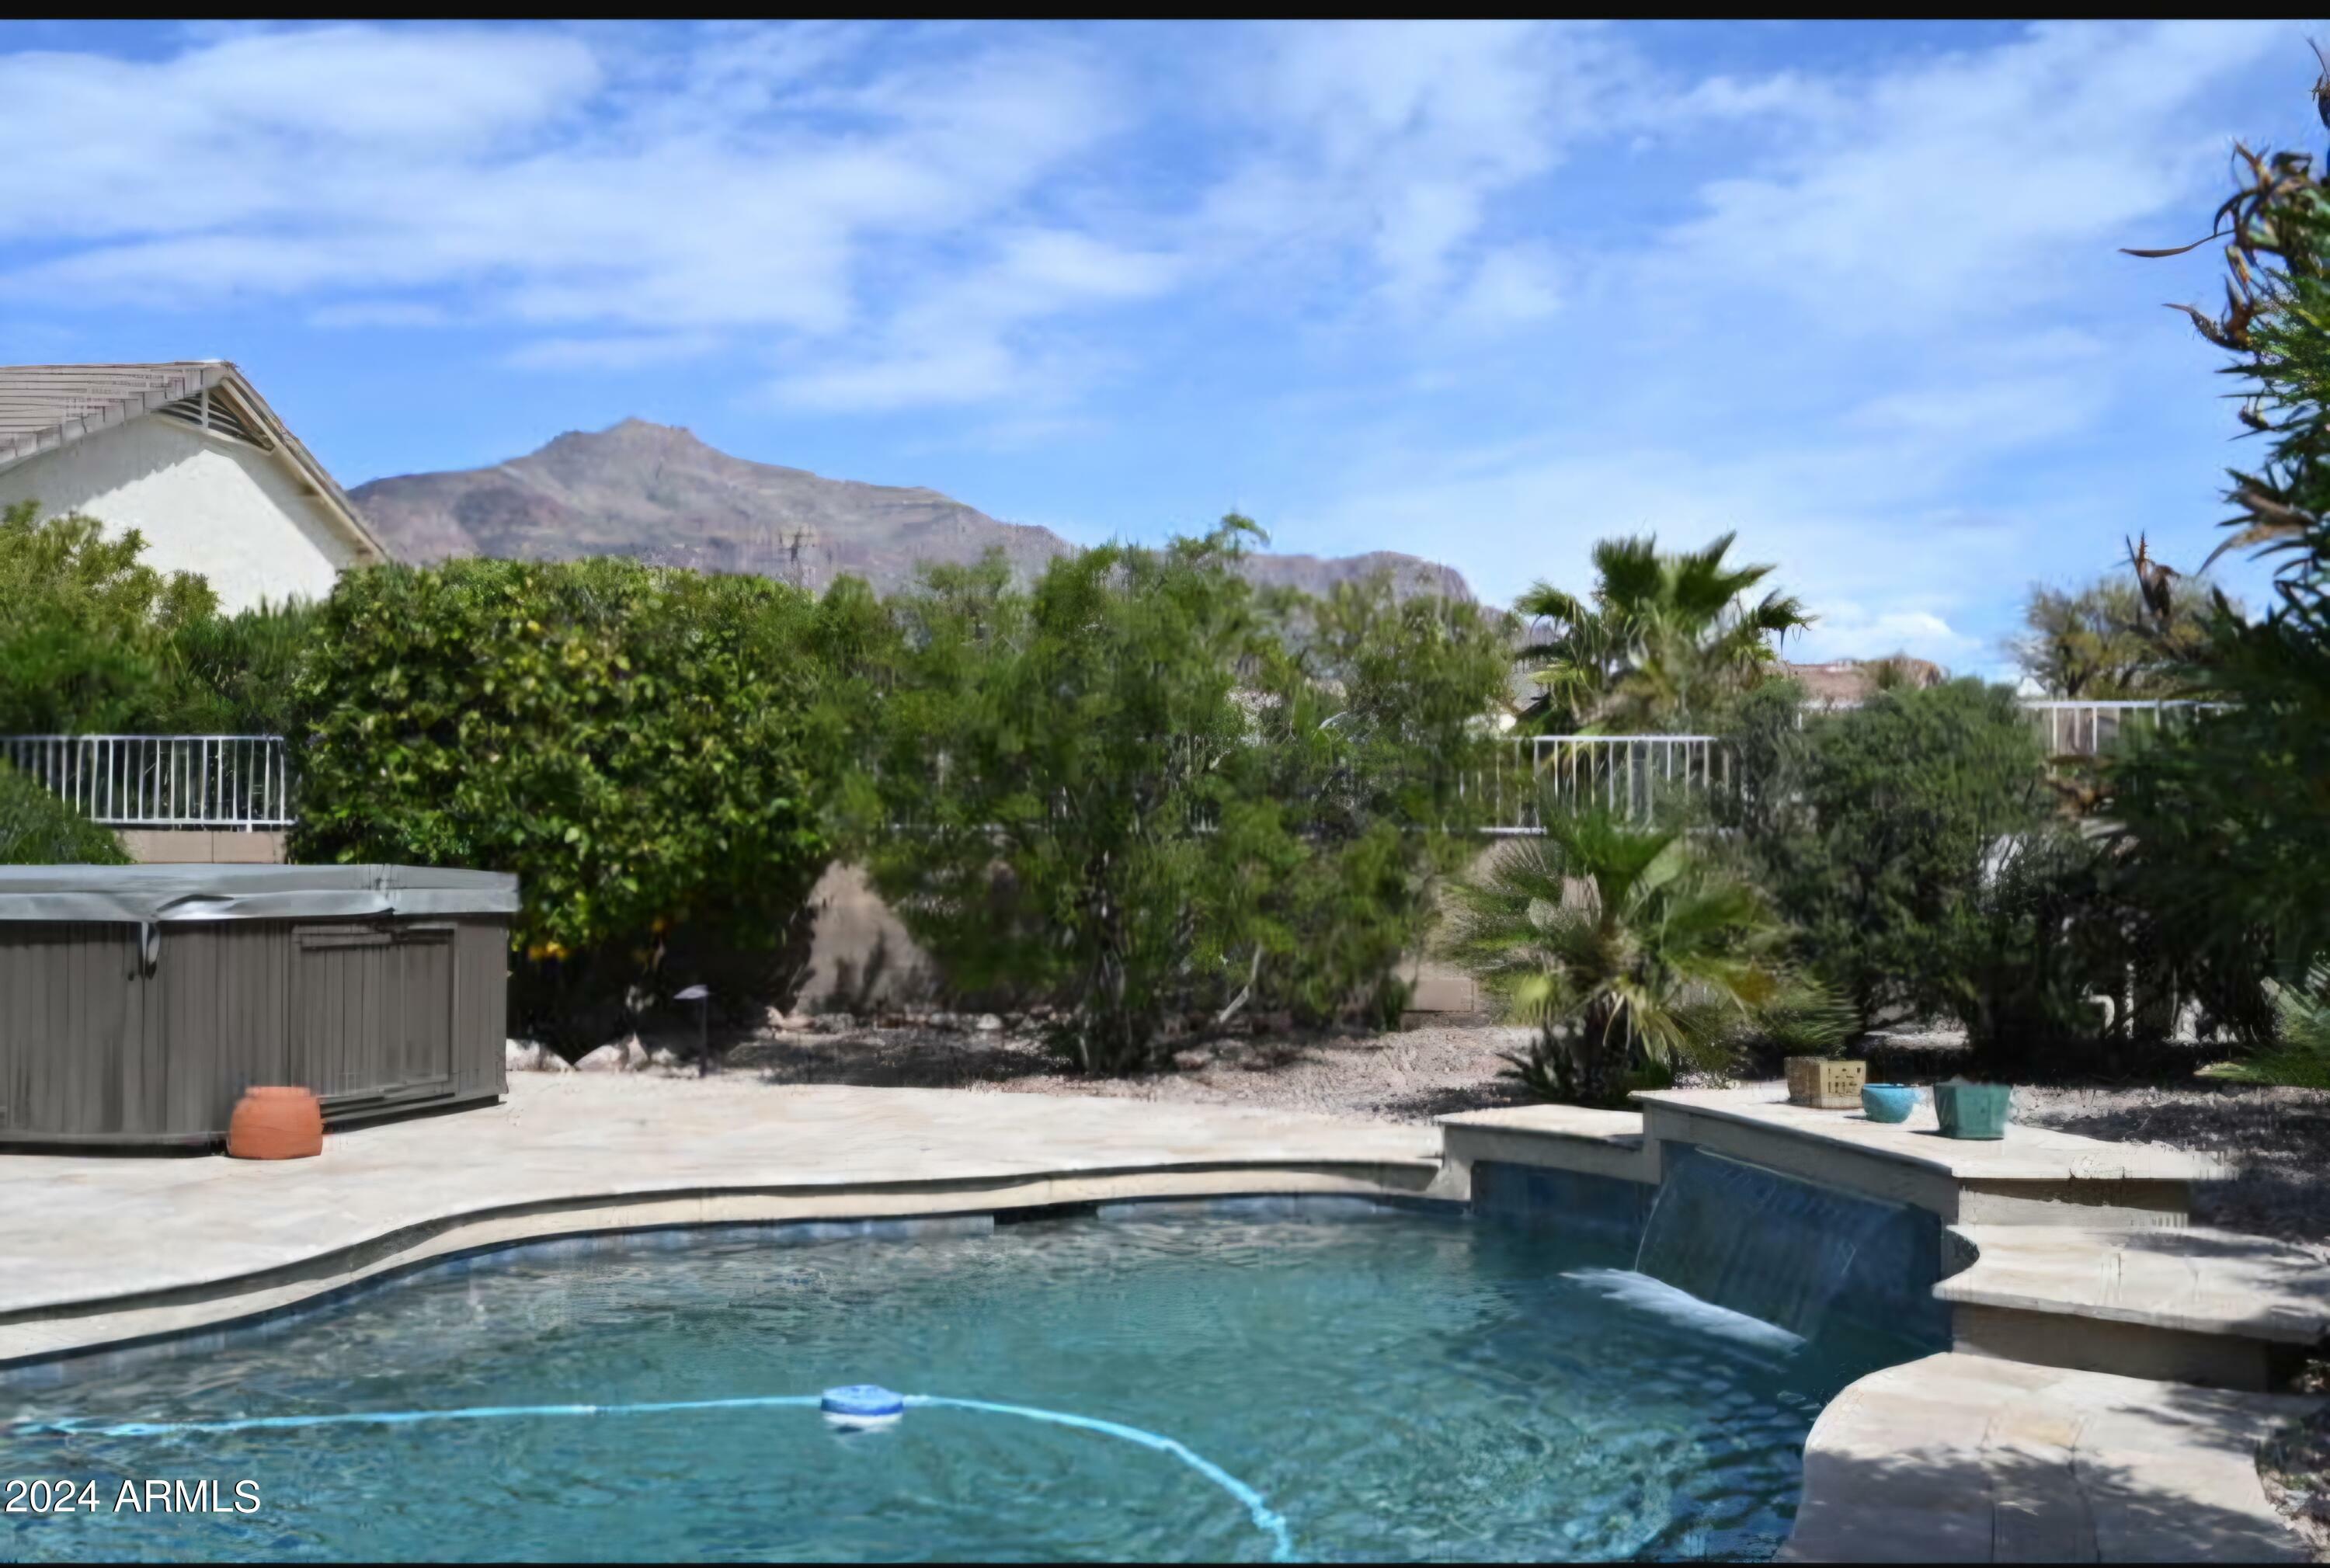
{"x":2197,"y":1279}
{"x":2026,"y":1154}
{"x":99,"y":1252}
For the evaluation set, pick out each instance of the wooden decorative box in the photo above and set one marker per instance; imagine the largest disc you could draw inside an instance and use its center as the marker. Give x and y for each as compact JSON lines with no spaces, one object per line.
{"x":1824,"y":1083}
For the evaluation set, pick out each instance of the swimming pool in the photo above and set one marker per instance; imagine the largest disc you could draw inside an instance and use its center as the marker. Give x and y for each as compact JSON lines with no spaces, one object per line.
{"x":1390,"y":1384}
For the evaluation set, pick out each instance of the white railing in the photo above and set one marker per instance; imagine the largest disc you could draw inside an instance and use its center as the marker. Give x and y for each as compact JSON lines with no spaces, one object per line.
{"x":1624,"y":774}
{"x":214,"y":781}
{"x":2070,"y":727}
{"x":244,"y":781}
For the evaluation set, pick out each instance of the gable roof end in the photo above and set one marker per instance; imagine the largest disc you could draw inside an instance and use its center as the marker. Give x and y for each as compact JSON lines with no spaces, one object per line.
{"x":44,"y":408}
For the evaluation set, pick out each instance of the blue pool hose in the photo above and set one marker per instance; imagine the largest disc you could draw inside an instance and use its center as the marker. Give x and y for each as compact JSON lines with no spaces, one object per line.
{"x":1257,"y":1507}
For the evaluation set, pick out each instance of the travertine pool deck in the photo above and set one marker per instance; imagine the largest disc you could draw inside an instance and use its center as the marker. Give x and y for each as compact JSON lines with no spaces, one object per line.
{"x":2205,"y":1281}
{"x":95,"y":1251}
{"x":1962,"y":1458}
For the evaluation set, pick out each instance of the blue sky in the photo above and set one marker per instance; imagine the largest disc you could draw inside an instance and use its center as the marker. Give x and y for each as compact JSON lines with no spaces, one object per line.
{"x":1480,"y":292}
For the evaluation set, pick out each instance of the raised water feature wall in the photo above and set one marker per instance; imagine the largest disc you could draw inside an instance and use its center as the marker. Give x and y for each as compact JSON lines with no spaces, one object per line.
{"x":1791,"y":1253}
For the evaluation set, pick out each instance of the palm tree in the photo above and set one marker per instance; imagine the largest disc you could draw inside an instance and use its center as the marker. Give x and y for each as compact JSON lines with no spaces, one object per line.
{"x":1664,"y":640}
{"x":1627,"y":948}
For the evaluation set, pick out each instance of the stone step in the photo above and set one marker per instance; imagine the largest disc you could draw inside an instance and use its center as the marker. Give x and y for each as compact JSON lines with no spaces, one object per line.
{"x":2191,"y":1305}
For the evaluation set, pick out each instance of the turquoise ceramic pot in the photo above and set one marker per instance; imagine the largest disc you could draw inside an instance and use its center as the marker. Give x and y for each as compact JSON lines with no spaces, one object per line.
{"x":1972,"y":1109}
{"x":1888,"y":1102}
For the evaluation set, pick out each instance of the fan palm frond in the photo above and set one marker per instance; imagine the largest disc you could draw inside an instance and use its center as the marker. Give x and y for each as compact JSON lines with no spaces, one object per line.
{"x":1623,"y":945}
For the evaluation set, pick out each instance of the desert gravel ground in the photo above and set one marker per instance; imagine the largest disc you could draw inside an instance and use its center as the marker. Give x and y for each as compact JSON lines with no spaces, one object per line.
{"x":1410,"y":1076}
{"x":2277,"y":1139}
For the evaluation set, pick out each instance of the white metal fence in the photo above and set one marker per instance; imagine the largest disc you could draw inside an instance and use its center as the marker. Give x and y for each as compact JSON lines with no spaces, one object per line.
{"x":214,"y":781}
{"x":245,"y":781}
{"x":1624,"y":774}
{"x":2072,"y":728}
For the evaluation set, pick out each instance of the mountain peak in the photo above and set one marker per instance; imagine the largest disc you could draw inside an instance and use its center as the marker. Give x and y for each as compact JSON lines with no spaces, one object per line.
{"x":632,"y":430}
{"x":656,"y":493}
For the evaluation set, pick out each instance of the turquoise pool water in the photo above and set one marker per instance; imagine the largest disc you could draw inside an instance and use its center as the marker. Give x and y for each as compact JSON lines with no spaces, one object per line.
{"x":1395,"y":1385}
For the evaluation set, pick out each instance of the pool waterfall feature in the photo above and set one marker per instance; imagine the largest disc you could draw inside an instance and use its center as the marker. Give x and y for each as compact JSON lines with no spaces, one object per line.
{"x":1788,"y":1252}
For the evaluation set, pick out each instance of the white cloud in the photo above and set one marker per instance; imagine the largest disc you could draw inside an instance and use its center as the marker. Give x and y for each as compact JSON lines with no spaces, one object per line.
{"x":230,"y":132}
{"x":366,"y":313}
{"x":1396,"y":138}
{"x":1850,"y":631}
{"x":964,"y":372}
{"x":1947,"y":188}
{"x":968,"y":339}
{"x":520,"y":171}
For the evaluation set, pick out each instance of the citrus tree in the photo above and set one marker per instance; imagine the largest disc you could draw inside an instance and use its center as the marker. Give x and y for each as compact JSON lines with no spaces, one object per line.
{"x":640,"y":744}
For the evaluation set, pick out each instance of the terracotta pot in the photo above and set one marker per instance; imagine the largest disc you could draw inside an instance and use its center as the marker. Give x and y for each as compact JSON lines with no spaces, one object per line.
{"x":272,"y":1122}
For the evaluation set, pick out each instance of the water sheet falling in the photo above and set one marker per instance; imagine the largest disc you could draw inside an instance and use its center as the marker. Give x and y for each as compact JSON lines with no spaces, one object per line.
{"x":1771,"y":1246}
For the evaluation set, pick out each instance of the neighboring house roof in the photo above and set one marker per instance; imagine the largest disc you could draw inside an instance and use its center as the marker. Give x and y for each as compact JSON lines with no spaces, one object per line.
{"x":1849,"y":682}
{"x":44,"y":408}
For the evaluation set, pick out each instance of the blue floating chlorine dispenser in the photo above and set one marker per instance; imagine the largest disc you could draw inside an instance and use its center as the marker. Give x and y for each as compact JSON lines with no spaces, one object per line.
{"x":861,"y":1406}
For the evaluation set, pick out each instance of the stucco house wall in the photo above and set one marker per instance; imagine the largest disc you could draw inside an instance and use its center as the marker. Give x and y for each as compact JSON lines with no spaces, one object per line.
{"x":206,"y":503}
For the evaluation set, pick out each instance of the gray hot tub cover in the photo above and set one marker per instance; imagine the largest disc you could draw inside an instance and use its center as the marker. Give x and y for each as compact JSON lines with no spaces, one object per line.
{"x":147,"y":893}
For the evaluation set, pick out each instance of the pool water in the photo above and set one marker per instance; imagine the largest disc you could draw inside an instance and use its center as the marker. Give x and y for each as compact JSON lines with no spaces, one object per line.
{"x":1398,"y":1384}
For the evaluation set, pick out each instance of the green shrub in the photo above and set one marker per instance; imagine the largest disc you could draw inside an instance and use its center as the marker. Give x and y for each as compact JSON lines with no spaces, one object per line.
{"x":36,"y":829}
{"x":1872,"y":829}
{"x":637,"y":744}
{"x":93,"y":640}
{"x":1155,"y":798}
{"x":238,"y":675}
{"x":86,"y":629}
{"x":2301,"y":1054}
{"x":1631,"y":953}
{"x":2044,"y":936}
{"x":2225,"y":822}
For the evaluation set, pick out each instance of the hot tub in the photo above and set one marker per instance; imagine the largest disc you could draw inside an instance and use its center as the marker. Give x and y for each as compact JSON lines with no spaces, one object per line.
{"x":138,"y":1002}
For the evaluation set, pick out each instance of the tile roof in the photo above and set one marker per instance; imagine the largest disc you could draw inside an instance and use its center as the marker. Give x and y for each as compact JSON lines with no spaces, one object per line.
{"x":44,"y":407}
{"x":51,"y":405}
{"x":1849,"y":682}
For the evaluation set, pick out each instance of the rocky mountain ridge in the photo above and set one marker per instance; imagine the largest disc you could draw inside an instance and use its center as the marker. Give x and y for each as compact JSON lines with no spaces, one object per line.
{"x":657,"y":494}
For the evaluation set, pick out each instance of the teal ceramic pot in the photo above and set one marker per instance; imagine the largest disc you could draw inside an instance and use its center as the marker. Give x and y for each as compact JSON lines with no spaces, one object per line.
{"x":1972,"y":1109}
{"x":1888,"y":1102}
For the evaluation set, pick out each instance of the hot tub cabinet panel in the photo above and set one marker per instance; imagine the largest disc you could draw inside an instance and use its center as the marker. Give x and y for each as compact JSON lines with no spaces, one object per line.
{"x":383,"y":999}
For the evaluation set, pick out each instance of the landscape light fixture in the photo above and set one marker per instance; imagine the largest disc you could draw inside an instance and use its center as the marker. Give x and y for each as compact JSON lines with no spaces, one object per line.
{"x":702,"y":996}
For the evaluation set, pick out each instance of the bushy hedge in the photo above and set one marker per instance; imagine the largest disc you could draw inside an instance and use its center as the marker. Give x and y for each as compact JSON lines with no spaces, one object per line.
{"x":1152,"y":796}
{"x":646,"y":748}
{"x":36,"y":829}
{"x":93,"y":640}
{"x":1875,"y":830}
